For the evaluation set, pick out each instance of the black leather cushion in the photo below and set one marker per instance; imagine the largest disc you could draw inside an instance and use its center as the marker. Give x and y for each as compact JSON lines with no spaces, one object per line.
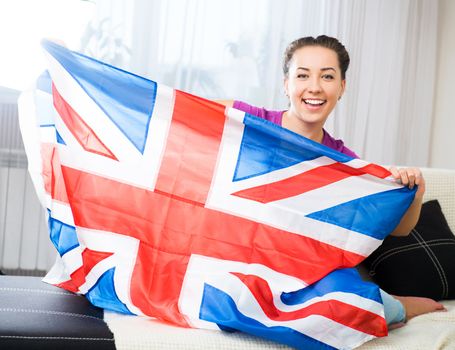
{"x":420,"y":264}
{"x":35,"y":315}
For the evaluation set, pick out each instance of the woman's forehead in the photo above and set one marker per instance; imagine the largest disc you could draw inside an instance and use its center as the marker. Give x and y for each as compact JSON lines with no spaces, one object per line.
{"x":314,"y":57}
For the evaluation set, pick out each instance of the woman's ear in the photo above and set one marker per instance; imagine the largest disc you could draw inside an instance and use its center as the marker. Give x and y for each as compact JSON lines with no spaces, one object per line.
{"x":286,"y":90}
{"x":343,"y":87}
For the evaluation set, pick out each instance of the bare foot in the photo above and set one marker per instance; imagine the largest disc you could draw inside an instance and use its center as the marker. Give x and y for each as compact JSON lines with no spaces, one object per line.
{"x":416,"y":306}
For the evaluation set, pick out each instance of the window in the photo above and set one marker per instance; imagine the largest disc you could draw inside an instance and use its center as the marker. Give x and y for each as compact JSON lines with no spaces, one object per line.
{"x":23,"y":23}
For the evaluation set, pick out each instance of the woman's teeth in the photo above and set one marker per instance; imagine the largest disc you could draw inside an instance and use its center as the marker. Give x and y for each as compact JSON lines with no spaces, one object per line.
{"x":314,"y":102}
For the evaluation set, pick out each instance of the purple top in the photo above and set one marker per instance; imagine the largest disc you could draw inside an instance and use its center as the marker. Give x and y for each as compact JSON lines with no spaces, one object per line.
{"x":277,"y":117}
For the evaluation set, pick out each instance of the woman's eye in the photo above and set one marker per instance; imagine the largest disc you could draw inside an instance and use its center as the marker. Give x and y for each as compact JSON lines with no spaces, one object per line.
{"x":328,"y":77}
{"x":302,"y":76}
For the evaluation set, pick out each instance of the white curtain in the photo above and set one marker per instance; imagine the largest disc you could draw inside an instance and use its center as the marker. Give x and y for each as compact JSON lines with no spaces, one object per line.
{"x":233,"y":50}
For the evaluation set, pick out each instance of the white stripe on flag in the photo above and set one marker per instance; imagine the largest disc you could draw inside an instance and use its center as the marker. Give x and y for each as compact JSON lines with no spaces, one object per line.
{"x":72,"y":259}
{"x":32,"y":142}
{"x":59,"y":210}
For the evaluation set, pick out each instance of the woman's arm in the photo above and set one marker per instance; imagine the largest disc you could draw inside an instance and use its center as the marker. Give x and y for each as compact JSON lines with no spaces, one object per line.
{"x":227,"y":103}
{"x":409,"y":177}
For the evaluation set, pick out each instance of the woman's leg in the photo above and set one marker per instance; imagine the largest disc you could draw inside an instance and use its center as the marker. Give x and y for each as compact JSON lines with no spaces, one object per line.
{"x":399,"y":309}
{"x":416,"y":306}
{"x":394,"y":310}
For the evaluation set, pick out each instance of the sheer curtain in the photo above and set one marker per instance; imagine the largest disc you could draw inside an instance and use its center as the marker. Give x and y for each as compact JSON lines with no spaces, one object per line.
{"x":233,"y":50}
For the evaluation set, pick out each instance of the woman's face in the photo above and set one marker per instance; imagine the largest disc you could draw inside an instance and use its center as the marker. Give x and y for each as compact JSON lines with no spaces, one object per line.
{"x":314,"y":84}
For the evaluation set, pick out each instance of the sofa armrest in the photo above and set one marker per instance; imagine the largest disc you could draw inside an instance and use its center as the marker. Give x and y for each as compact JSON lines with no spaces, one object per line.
{"x":36,"y":315}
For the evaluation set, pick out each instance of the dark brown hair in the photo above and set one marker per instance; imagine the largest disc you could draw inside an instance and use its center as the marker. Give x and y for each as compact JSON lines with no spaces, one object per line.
{"x":323,"y":41}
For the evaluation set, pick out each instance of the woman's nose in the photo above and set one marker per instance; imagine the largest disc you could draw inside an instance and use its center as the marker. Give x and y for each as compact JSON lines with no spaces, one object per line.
{"x":314,"y":85}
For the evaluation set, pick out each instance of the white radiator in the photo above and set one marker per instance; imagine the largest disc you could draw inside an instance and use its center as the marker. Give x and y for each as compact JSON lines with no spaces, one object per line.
{"x":24,"y":240}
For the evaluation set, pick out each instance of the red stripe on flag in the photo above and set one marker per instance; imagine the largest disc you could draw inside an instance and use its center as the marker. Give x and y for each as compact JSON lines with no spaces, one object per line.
{"x":376,"y":170}
{"x":170,"y":230}
{"x":307,"y":181}
{"x":343,"y":313}
{"x":92,"y":257}
{"x":79,"y":128}
{"x":52,"y":173}
{"x":192,"y":147}
{"x":68,"y":285}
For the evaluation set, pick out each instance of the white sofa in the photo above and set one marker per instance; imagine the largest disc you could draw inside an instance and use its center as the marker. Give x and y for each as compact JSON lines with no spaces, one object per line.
{"x":426,"y":332}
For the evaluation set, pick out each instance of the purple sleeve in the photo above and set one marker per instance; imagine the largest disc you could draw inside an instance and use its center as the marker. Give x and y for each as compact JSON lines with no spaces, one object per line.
{"x":245,"y":107}
{"x":348,"y":152}
{"x":272,"y":116}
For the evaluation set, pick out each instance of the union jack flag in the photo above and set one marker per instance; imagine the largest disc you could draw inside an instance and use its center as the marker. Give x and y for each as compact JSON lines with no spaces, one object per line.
{"x":164,"y":204}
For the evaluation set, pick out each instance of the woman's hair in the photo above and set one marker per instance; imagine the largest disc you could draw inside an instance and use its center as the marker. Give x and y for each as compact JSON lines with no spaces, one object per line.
{"x":323,"y":41}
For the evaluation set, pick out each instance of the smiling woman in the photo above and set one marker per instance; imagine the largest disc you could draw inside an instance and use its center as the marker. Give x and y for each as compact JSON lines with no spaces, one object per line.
{"x":314,"y":80}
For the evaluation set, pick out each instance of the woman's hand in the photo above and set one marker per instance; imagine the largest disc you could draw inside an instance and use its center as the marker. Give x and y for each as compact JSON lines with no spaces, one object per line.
{"x":410,"y":177}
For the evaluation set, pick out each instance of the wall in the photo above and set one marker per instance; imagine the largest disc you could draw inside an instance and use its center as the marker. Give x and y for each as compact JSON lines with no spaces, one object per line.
{"x":443,"y":136}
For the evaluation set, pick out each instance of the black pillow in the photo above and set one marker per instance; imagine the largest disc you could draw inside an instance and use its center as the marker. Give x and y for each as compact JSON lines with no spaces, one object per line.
{"x":420,"y":264}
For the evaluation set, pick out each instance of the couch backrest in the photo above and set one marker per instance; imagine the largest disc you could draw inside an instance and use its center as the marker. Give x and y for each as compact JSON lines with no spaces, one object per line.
{"x":440,"y":185}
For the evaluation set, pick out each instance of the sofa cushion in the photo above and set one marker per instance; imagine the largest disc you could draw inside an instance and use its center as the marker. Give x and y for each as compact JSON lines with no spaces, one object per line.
{"x":420,"y":264}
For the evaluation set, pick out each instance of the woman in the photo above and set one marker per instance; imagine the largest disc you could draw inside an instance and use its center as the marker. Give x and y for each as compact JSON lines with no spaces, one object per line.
{"x":315,"y":80}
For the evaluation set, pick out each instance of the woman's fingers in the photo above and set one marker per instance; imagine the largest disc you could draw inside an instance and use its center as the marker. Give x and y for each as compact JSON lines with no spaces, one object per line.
{"x":407,"y":176}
